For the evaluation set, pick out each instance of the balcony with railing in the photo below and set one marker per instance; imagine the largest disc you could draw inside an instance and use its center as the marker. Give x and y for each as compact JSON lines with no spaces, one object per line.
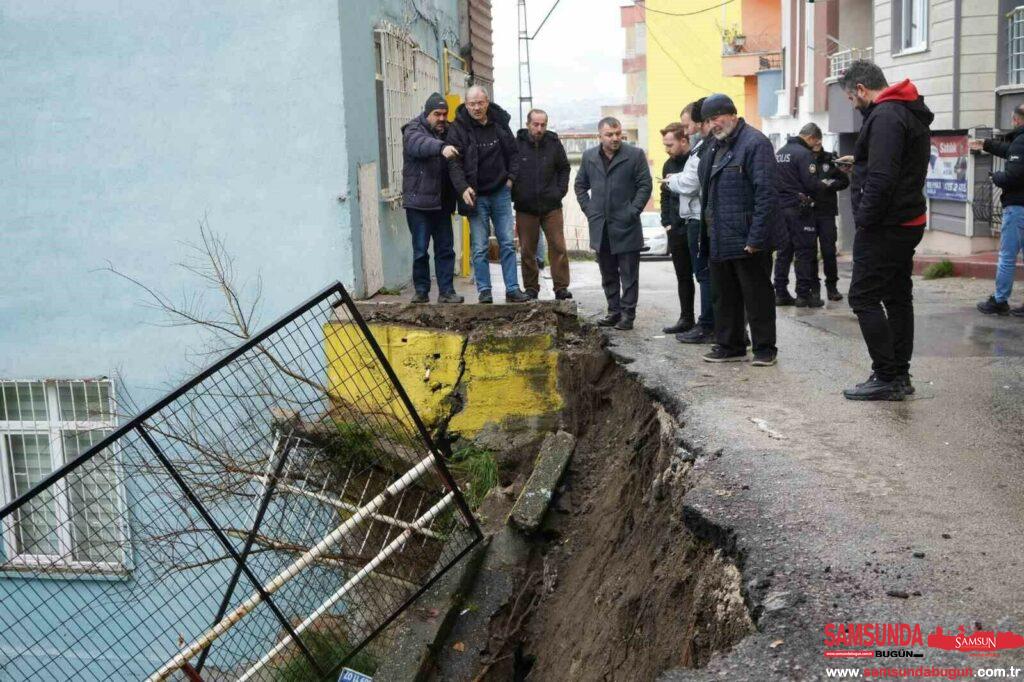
{"x":839,"y":62}
{"x":747,"y":55}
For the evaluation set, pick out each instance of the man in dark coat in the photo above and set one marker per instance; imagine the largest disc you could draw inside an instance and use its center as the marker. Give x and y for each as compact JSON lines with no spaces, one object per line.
{"x":429,"y":199}
{"x":537,"y":193}
{"x":798,"y":184}
{"x":826,"y":208}
{"x":613,"y":185}
{"x":677,"y":146}
{"x":890,"y":162}
{"x":483,"y":173}
{"x":740,"y":206}
{"x":1011,"y":235}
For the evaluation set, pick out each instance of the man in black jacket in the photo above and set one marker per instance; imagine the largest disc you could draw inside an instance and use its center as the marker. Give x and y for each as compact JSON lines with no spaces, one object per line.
{"x":740,"y":206}
{"x":483,"y":172}
{"x":1011,"y":234}
{"x":798,"y":185}
{"x":542,"y":181}
{"x":677,"y":146}
{"x":890,"y":162}
{"x":429,"y":199}
{"x":826,"y":208}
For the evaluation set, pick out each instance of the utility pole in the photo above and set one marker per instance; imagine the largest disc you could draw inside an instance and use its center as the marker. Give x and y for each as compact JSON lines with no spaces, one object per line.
{"x":525,"y":86}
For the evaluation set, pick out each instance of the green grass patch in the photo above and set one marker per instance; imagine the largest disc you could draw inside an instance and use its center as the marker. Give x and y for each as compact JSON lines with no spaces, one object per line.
{"x":476,"y":470}
{"x":389,"y":291}
{"x":582,"y":256}
{"x":943,"y":268}
{"x":328,"y":651}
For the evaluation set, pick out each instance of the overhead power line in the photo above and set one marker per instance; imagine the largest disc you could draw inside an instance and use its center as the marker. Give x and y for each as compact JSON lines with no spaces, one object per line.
{"x":642,"y":4}
{"x":679,"y":66}
{"x":545,"y":19}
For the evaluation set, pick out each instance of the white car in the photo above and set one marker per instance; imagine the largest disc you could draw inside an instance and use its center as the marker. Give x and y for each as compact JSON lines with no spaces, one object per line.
{"x":655,"y":236}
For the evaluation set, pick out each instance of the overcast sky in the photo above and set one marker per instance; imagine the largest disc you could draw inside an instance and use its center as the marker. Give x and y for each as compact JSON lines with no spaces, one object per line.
{"x":576,"y":58}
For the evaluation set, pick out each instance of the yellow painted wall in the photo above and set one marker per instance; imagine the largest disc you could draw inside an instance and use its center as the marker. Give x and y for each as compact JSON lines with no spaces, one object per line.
{"x":684,"y":63}
{"x":504,"y":377}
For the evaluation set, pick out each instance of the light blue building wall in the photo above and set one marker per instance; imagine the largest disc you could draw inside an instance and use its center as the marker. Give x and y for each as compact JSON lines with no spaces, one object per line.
{"x":126,"y":124}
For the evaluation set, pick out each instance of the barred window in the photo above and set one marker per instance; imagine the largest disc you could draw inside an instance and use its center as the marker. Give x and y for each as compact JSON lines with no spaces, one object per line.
{"x":79,"y":522}
{"x":405,"y":77}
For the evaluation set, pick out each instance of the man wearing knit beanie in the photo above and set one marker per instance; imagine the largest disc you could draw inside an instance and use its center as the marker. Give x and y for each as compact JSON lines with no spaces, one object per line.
{"x":740,"y":208}
{"x":429,"y":199}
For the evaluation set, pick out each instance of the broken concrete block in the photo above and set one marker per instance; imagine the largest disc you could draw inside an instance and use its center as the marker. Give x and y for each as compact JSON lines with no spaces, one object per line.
{"x":551,"y":462}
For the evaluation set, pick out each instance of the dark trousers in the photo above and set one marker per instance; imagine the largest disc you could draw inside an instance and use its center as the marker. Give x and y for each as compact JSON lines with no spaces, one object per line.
{"x":682,"y":261}
{"x":799,"y":246}
{"x":702,"y":272}
{"x":744,"y":284}
{"x":620,"y":279}
{"x":883,"y":261}
{"x":827,"y":236}
{"x":437,"y":226}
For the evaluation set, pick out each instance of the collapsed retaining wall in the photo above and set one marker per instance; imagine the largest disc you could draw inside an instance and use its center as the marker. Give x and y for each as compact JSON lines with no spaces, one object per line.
{"x":613,"y":584}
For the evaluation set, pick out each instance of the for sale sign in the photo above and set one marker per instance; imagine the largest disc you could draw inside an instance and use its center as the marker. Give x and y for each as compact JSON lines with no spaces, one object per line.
{"x":947,"y":168}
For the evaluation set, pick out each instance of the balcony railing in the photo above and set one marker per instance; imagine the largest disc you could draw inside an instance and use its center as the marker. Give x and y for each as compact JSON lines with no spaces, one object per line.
{"x":770,"y":61}
{"x":839,"y":62}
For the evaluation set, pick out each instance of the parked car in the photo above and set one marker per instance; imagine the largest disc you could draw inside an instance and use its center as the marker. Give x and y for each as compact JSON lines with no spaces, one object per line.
{"x":655,"y":236}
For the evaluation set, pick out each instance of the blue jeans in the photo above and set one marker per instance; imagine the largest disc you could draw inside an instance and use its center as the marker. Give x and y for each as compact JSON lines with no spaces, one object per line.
{"x":1011,"y":239}
{"x":496,"y":208}
{"x":424,"y":226}
{"x":702,"y":273}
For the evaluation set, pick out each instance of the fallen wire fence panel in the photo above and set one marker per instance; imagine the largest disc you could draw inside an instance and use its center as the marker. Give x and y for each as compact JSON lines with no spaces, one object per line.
{"x":265,"y":521}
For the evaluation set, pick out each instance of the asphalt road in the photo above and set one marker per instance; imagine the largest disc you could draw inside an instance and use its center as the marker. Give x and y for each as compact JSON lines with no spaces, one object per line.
{"x":843,"y":512}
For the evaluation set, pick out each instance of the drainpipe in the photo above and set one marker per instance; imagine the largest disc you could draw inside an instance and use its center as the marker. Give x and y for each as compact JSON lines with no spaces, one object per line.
{"x":957,"y":13}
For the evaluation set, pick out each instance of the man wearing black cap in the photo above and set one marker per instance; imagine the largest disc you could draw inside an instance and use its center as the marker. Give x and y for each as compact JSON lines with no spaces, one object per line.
{"x":740,"y":207}
{"x":429,"y":199}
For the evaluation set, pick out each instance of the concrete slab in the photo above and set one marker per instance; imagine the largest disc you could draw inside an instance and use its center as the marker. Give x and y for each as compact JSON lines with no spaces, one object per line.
{"x":533,"y":502}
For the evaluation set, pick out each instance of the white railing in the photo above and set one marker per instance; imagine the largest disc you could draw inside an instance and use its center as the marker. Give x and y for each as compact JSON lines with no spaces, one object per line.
{"x":839,"y":62}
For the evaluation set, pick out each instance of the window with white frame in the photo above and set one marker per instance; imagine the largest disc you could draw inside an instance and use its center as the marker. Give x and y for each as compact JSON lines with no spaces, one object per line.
{"x":910,"y":17}
{"x":1015,"y":46}
{"x":79,"y":521}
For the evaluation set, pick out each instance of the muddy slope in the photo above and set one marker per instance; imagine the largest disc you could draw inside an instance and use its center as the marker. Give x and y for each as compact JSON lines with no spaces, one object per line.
{"x":618,"y":588}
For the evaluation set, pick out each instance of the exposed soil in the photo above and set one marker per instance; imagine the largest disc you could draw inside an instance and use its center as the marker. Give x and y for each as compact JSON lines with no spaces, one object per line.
{"x":617,"y":588}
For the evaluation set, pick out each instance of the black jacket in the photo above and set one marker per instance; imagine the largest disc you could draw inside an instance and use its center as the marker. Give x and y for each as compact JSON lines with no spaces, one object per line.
{"x":739,"y":200}
{"x":826,"y":201}
{"x":797,"y":177}
{"x":669,"y":199}
{"x":486,"y":152}
{"x":613,"y":199}
{"x":1011,"y":179}
{"x":543,"y":177}
{"x":890,"y":158}
{"x":425,"y":182}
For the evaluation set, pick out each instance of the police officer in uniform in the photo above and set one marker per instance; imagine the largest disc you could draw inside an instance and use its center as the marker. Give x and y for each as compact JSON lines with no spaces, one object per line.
{"x":826,"y":208}
{"x":798,"y":185}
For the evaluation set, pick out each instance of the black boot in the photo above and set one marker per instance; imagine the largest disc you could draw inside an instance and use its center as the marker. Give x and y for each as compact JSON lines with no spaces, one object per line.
{"x":683,"y":324}
{"x":809,"y":301}
{"x":697,"y":335}
{"x":834,"y":295}
{"x":625,"y":324}
{"x":782,"y":298}
{"x":994,"y":307}
{"x":609,"y":320}
{"x":876,"y":389}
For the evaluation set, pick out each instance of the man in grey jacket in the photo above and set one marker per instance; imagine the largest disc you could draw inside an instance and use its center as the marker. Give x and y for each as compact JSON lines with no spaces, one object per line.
{"x":612,"y":186}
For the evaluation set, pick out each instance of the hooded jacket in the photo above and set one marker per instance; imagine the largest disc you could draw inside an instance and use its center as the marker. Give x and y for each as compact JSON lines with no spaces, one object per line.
{"x":543,"y":177}
{"x":1011,"y":178}
{"x":890,"y":159}
{"x":425,"y":182}
{"x":487,"y":158}
{"x":826,"y":201}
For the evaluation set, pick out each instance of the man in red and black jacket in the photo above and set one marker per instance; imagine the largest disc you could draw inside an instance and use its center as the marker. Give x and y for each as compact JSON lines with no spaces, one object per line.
{"x":890,"y":161}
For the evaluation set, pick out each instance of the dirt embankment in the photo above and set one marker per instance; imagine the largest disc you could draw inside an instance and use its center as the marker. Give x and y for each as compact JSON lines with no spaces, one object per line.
{"x":616,"y":586}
